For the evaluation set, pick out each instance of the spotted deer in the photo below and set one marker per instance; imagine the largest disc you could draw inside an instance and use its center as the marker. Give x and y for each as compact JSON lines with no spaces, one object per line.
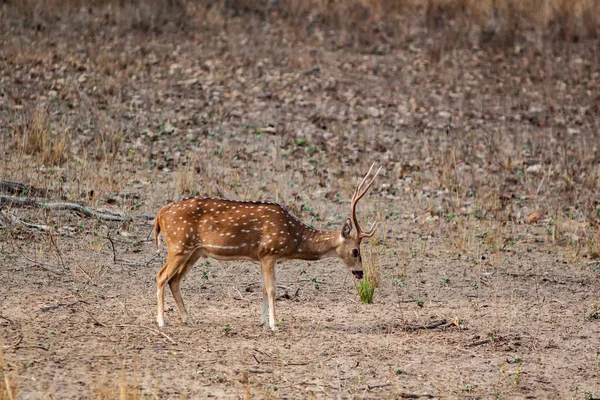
{"x":249,"y":230}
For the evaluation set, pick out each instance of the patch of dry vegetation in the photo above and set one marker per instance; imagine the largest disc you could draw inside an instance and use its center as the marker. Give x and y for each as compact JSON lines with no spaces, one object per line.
{"x":450,"y":23}
{"x":107,"y":385}
{"x":458,"y":22}
{"x":34,"y":135}
{"x":522,"y":154}
{"x":9,"y":388}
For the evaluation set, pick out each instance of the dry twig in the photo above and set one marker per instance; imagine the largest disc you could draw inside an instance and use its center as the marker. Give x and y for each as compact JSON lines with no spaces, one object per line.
{"x":478,"y":342}
{"x":86,"y":211}
{"x":39,"y":264}
{"x":374,"y":386}
{"x":62,"y":263}
{"x":19,"y":340}
{"x":112,"y":245}
{"x":407,"y":395}
{"x":432,"y":325}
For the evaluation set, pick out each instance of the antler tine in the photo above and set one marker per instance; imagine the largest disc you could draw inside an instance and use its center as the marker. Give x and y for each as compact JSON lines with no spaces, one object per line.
{"x":359,"y":194}
{"x":360,"y":191}
{"x":371,"y":231}
{"x":358,"y":188}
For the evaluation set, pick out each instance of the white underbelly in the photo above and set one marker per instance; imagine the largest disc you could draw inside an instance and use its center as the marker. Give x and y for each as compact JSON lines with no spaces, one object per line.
{"x":223,"y":257}
{"x":223,"y":253}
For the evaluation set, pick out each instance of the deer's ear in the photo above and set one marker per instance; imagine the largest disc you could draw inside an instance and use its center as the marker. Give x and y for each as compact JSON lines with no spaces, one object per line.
{"x":346,"y":228}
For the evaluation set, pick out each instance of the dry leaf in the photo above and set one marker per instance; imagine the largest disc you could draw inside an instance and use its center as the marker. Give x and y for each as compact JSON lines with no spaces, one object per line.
{"x":533,"y":217}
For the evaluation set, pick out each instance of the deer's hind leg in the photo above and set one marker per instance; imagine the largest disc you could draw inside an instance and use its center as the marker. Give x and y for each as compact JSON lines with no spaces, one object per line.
{"x":175,"y":282}
{"x":175,"y":263}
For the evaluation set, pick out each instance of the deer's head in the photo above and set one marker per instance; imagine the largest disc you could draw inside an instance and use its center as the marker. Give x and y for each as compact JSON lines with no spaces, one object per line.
{"x":349,"y":248}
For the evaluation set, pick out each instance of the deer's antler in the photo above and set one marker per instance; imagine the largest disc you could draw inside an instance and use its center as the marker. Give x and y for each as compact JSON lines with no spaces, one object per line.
{"x":359,"y":193}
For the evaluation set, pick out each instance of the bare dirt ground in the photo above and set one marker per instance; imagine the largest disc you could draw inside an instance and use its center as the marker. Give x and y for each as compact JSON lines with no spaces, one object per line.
{"x":128,"y":109}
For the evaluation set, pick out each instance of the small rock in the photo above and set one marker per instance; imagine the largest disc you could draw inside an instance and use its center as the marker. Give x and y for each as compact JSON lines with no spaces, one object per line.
{"x":373,"y":112}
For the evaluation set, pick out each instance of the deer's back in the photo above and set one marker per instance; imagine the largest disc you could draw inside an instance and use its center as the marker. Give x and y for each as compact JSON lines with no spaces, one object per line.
{"x":228,"y":228}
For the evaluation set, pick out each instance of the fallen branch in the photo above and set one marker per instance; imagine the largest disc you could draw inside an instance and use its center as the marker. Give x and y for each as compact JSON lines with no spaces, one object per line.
{"x":241,"y":297}
{"x":291,"y":364}
{"x":374,"y":386}
{"x":96,"y":322}
{"x":407,"y":395}
{"x":18,"y":188}
{"x":112,"y":245}
{"x":55,"y":306}
{"x":432,"y":325}
{"x":86,"y":211}
{"x":151,"y":259}
{"x":33,"y":346}
{"x":263,"y":353}
{"x":478,"y":342}
{"x":14,"y":220}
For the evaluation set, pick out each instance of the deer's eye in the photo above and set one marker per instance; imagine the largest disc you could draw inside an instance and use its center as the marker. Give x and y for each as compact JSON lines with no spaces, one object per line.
{"x":355,"y":252}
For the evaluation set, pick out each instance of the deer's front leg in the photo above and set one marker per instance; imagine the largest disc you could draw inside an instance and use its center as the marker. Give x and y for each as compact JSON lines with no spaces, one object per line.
{"x":269,"y":291}
{"x":264,"y":318}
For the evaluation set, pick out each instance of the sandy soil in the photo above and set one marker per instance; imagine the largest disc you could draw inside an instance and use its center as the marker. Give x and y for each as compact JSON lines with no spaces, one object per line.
{"x":531,"y":310}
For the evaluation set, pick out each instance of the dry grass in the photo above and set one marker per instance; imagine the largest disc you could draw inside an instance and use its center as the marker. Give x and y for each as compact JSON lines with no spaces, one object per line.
{"x":378,"y":23}
{"x":459,"y":22}
{"x":107,"y":385}
{"x":36,"y":136}
{"x":573,"y":171}
{"x":9,"y":388}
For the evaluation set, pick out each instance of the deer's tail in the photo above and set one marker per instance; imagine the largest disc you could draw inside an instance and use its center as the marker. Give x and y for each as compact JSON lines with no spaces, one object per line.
{"x":156,"y":232}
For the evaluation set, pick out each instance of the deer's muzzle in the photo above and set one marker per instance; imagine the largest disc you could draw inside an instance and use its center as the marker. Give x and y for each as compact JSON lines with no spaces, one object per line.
{"x":357,"y":274}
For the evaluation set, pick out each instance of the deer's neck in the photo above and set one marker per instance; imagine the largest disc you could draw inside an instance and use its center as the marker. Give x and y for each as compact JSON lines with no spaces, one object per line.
{"x":316,"y":244}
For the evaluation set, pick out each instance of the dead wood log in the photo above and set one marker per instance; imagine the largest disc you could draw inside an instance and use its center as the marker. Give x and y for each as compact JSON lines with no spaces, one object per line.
{"x":86,"y":211}
{"x":21,"y":189}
